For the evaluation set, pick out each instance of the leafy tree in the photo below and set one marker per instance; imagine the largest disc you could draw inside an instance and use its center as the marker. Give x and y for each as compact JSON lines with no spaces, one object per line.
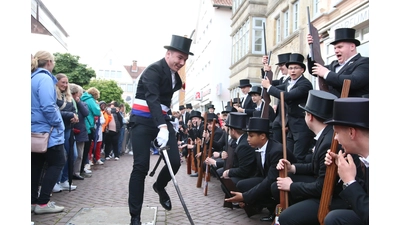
{"x":109,"y":90}
{"x":76,"y":72}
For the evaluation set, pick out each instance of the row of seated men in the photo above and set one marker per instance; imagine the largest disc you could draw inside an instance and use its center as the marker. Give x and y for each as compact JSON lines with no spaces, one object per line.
{"x":245,"y":153}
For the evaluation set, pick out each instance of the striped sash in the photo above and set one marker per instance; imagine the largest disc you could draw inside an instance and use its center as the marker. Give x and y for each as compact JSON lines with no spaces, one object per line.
{"x":140,"y":108}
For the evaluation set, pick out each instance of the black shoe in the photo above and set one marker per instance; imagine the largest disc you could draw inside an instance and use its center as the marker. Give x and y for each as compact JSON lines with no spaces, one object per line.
{"x":86,"y":175}
{"x":165,"y":201}
{"x":77,"y":177}
{"x":267,"y":218}
{"x":194,"y":175}
{"x":135,"y":220}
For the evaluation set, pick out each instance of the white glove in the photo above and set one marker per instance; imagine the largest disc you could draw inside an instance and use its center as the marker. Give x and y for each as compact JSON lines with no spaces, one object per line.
{"x":162,"y":137}
{"x":175,"y":124}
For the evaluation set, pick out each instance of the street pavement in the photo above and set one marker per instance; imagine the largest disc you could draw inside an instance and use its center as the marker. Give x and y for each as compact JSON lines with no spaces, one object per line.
{"x":103,"y":199}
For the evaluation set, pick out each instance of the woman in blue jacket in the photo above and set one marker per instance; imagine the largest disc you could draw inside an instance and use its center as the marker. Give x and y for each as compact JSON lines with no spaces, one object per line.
{"x":45,"y":118}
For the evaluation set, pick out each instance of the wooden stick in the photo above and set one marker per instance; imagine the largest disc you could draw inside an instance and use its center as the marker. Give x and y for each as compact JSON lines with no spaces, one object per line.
{"x":201,"y":171}
{"x":283,"y":195}
{"x":207,"y":175}
{"x":331,"y":170}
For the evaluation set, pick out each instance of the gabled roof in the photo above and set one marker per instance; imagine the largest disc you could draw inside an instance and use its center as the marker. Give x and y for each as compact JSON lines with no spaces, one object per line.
{"x":222,"y":3}
{"x":134,"y":75}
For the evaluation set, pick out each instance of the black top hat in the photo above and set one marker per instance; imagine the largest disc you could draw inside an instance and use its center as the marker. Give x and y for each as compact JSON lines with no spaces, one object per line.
{"x":257,"y":124}
{"x":244,"y":83}
{"x":283,"y":58}
{"x":236,"y":100}
{"x":237,"y":120}
{"x":181,"y":107}
{"x":351,"y":112}
{"x":189,"y":106}
{"x":211,"y":116}
{"x":228,"y":109}
{"x":210,"y":106}
{"x":255,"y":90}
{"x":345,"y":35}
{"x":180,"y":43}
{"x":320,"y":104}
{"x":195,"y":113}
{"x":296,"y":58}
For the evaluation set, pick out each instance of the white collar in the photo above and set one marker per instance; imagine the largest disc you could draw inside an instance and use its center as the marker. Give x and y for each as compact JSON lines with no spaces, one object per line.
{"x":263,"y":148}
{"x":365,"y":161}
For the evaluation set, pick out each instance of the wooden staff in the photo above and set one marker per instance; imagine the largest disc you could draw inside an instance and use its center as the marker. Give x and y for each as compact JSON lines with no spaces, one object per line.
{"x":207,"y":175}
{"x":200,"y":167}
{"x":315,"y":52}
{"x":331,"y":170}
{"x":189,"y":157}
{"x":283,"y":195}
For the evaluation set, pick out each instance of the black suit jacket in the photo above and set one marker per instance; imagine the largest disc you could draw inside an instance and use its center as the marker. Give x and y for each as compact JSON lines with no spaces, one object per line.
{"x":244,"y":165}
{"x":356,"y":70}
{"x":248,"y":103}
{"x":273,"y":153}
{"x":155,"y":87}
{"x":316,"y":168}
{"x":187,"y":115}
{"x":298,"y":94}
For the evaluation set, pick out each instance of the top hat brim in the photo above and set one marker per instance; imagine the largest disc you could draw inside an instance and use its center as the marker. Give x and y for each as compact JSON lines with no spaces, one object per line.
{"x":303,"y":106}
{"x":176,"y":49}
{"x":346,"y":123}
{"x":355,"y":41}
{"x":246,"y":85}
{"x":297,"y":63}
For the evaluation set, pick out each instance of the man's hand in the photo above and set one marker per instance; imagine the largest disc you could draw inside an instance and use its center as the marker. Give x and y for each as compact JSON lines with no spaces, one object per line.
{"x":175,"y":124}
{"x":162,"y":136}
{"x":346,"y":168}
{"x":210,"y":161}
{"x":237,"y":197}
{"x":285,"y":163}
{"x":225,"y":174}
{"x":224,"y":155}
{"x":319,"y":70}
{"x":309,"y":39}
{"x":284,"y":183}
{"x":266,"y":83}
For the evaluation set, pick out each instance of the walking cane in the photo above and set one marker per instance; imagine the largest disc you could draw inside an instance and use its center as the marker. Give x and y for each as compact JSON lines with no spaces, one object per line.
{"x":155,"y":167}
{"x":163,"y":151}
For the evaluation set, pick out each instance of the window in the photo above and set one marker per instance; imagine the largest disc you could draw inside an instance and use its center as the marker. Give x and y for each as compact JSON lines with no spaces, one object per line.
{"x":286,"y":23}
{"x":235,"y":5}
{"x":258,"y":36}
{"x":119,"y":74}
{"x":106,"y":73}
{"x":278,"y":30}
{"x":240,"y":42}
{"x":129,"y":87}
{"x":113,"y":75}
{"x":316,"y":7}
{"x":100,"y":73}
{"x":295,"y":17}
{"x":122,"y":86}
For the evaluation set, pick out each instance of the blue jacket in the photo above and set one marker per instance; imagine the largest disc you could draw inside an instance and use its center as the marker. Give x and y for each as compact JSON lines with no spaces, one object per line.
{"x":94,"y":110}
{"x":44,"y":111}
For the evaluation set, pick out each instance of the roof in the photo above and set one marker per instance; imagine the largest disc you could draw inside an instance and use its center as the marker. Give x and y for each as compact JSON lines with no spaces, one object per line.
{"x":134,"y":75}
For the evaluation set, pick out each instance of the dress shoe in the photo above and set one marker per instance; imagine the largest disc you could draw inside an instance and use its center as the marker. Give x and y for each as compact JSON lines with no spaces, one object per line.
{"x":269,"y":218}
{"x":135,"y":220}
{"x":194,"y":175}
{"x":165,"y":201}
{"x":77,"y":177}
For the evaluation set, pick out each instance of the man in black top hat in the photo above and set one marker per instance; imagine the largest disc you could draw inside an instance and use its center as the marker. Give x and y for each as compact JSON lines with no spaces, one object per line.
{"x":211,"y":108}
{"x":150,"y":110}
{"x":277,"y":122}
{"x":299,"y":137}
{"x":305,"y":180}
{"x":189,"y":109}
{"x":257,"y":190}
{"x":352,"y":132}
{"x":244,"y":158}
{"x":349,"y":65}
{"x":246,"y":102}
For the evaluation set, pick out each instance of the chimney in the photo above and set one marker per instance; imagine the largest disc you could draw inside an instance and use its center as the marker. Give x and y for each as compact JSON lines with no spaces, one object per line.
{"x":134,"y":66}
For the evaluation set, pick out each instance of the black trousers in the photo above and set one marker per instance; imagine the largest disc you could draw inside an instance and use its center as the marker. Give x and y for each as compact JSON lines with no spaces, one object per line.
{"x":86,"y":149}
{"x":141,"y":136}
{"x":111,"y":143}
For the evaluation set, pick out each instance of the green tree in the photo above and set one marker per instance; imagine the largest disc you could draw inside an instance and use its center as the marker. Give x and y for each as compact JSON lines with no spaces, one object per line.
{"x":76,"y":72}
{"x":109,"y":90}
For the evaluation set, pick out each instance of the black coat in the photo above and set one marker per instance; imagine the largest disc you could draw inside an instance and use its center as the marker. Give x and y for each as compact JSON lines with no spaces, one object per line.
{"x":356,"y":70}
{"x":248,"y":103}
{"x":273,"y":154}
{"x":155,"y":87}
{"x":244,"y":165}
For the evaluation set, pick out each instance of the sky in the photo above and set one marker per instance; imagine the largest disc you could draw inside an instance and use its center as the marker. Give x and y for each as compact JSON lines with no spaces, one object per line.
{"x":133,"y":30}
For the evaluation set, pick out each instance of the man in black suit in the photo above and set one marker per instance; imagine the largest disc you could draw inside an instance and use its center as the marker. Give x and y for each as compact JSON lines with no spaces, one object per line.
{"x":277,"y":122}
{"x":246,"y":102}
{"x":182,"y":111}
{"x":244,"y":165}
{"x":256,"y":190}
{"x":189,"y":109}
{"x":150,"y":119}
{"x":352,"y":132}
{"x":349,"y":65}
{"x":299,"y":137}
{"x":305,"y":180}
